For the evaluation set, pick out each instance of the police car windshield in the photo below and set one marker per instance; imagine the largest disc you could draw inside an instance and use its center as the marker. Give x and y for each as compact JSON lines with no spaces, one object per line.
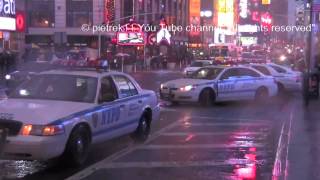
{"x":58,"y":87}
{"x":206,"y":73}
{"x":196,"y":64}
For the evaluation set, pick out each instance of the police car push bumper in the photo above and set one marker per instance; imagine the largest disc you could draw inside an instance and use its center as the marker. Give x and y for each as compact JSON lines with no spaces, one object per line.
{"x":34,"y":147}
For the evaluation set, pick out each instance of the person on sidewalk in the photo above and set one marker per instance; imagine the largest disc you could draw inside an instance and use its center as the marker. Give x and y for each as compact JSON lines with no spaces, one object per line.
{"x":148,"y":62}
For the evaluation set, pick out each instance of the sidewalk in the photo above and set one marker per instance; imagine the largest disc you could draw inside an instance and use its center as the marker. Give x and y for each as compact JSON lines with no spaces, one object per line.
{"x":304,"y":146}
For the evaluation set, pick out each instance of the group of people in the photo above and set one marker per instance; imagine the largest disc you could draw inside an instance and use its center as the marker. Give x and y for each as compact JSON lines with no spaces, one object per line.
{"x":7,"y":62}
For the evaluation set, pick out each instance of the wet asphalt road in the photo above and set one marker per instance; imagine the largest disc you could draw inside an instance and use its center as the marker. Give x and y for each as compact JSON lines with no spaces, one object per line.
{"x":228,"y":141}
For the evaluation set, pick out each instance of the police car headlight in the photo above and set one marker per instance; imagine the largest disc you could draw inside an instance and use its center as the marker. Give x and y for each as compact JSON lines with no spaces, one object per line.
{"x":39,"y":130}
{"x":187,"y":88}
{"x":8,"y":77}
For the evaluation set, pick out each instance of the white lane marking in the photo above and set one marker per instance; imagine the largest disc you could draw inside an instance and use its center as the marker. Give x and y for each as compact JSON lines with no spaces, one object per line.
{"x":226,"y":124}
{"x":176,"y":164}
{"x":228,"y":119}
{"x":277,"y":163}
{"x":288,"y":143}
{"x":201,"y":146}
{"x":277,"y":166}
{"x":99,"y":165}
{"x":211,"y":133}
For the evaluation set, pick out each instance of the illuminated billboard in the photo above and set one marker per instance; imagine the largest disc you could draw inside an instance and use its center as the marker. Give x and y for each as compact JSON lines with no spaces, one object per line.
{"x":225,"y":10}
{"x":130,"y":38}
{"x":266,"y":2}
{"x":7,"y":15}
{"x":194,"y":11}
{"x":131,"y":34}
{"x":247,"y":41}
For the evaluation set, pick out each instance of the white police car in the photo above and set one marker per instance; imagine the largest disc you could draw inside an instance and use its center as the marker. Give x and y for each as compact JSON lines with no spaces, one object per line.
{"x":220,"y":83}
{"x":196,"y":65}
{"x":287,"y":79}
{"x":62,"y":112}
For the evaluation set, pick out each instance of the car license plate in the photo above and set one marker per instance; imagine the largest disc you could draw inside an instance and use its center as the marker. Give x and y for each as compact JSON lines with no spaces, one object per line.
{"x":3,"y":138}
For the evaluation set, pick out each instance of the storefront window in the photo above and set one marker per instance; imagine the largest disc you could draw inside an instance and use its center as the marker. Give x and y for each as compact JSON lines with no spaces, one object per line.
{"x":41,"y":13}
{"x":79,"y":12}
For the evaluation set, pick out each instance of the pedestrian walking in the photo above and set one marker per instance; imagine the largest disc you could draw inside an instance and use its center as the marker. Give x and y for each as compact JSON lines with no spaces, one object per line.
{"x":2,"y":65}
{"x":148,"y":62}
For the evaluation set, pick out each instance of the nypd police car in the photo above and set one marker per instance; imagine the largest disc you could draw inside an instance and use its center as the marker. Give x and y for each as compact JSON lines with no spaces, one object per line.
{"x":61,"y":113}
{"x":220,"y":83}
{"x":196,"y":65}
{"x":287,"y":79}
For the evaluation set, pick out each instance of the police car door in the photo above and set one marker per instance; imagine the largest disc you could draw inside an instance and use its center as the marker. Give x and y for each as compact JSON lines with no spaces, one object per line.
{"x":129,"y":95}
{"x":226,"y":85}
{"x":247,"y":83}
{"x":108,"y":119}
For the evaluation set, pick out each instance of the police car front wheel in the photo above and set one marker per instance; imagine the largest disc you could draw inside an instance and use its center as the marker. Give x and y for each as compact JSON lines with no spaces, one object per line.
{"x":207,"y":97}
{"x":143,"y":130}
{"x":78,"y":145}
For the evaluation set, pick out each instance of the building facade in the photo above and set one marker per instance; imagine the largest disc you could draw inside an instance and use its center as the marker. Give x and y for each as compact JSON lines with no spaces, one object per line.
{"x":11,"y":35}
{"x":59,"y":23}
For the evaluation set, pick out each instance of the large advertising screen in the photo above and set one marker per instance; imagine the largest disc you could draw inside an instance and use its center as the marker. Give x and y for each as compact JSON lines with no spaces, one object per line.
{"x":225,"y":10}
{"x":130,"y":38}
{"x":7,"y":15}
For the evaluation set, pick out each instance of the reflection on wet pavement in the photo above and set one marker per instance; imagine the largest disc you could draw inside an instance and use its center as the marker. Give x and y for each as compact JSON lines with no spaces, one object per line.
{"x":202,"y":149}
{"x":19,"y":169}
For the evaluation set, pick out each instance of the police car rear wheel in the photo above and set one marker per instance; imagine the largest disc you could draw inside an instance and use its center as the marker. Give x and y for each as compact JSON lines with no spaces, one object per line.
{"x":207,"y":97}
{"x":77,"y":149}
{"x":281,"y":90}
{"x":262,"y":94}
{"x":142,"y":132}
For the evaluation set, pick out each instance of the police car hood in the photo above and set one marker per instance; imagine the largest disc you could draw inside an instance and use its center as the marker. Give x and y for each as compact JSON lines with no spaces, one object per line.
{"x":39,"y":112}
{"x":178,"y":83}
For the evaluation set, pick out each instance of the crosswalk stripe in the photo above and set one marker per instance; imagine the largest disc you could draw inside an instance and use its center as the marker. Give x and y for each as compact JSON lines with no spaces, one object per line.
{"x":201,"y":146}
{"x":225,"y":124}
{"x":177,"y":164}
{"x":238,"y":119}
{"x":210,"y":133}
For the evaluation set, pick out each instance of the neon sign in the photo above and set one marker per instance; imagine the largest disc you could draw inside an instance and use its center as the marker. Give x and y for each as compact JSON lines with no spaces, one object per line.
{"x":243,"y":6}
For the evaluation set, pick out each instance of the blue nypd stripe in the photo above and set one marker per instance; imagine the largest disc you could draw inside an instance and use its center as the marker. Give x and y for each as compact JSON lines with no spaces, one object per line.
{"x":97,"y":108}
{"x":230,"y":80}
{"x":114,"y":128}
{"x":237,"y":91}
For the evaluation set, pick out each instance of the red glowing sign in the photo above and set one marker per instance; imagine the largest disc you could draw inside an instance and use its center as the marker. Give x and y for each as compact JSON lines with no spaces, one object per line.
{"x":255,"y":16}
{"x":152,"y":39}
{"x":266,"y":21}
{"x":20,"y":21}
